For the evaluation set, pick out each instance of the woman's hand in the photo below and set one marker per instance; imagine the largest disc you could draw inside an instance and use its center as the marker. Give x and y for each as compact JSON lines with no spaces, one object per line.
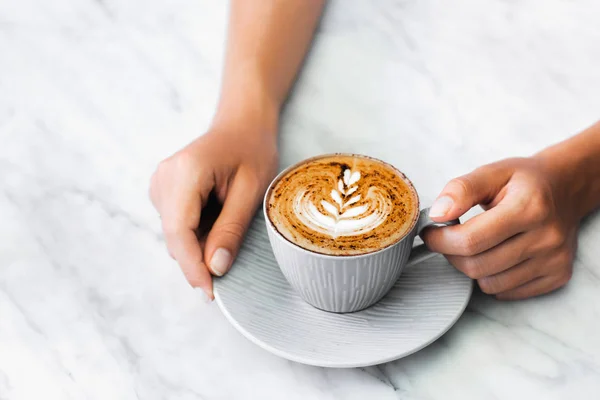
{"x":232,"y":164}
{"x":523,"y":245}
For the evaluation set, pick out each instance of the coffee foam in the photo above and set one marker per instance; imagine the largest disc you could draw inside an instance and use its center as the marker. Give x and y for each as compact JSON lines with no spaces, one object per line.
{"x":342,"y":205}
{"x":343,"y":215}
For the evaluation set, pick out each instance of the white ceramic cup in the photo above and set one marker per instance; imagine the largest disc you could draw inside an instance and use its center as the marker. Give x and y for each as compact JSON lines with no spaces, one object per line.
{"x":347,"y":283}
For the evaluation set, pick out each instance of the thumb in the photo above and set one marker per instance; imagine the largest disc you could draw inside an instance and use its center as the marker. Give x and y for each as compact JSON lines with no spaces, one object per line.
{"x":465,"y":192}
{"x":225,"y":237}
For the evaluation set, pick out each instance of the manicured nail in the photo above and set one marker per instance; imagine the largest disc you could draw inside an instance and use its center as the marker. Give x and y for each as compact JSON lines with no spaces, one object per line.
{"x":441,"y":206}
{"x":219,"y":264}
{"x":204,"y":297}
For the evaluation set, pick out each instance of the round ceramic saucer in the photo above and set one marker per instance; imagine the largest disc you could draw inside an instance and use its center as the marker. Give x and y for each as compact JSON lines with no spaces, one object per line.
{"x":426,"y":301}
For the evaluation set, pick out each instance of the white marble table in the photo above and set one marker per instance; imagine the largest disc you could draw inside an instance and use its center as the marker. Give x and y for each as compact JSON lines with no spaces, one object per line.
{"x":94,"y":93}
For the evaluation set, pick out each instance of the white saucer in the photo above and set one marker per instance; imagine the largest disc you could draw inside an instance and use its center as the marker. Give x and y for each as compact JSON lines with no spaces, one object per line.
{"x":425,"y":302}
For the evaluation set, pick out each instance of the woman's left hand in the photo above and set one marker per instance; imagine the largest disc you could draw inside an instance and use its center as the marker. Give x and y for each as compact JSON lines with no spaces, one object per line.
{"x":523,"y":245}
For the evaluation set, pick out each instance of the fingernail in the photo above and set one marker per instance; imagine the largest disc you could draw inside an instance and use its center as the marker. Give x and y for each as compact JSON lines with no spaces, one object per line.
{"x":441,"y":206}
{"x":204,"y":297}
{"x":219,"y":264}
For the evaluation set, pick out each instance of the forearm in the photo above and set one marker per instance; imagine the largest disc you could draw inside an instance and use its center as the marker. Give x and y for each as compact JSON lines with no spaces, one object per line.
{"x":577,"y":161}
{"x":267,"y":41}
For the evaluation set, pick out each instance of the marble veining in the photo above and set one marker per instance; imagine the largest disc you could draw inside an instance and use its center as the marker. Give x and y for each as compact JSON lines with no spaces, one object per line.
{"x":94,"y":93}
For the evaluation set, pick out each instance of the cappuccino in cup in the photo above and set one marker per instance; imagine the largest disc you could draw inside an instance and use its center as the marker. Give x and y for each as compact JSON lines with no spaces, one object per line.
{"x":342,"y":226}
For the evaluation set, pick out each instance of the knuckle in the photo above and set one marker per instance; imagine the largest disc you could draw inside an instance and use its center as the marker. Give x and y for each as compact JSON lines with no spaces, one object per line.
{"x":489,"y":285}
{"x":565,"y":267}
{"x":163,"y":170}
{"x":520,"y":253}
{"x":183,"y":159}
{"x":463,"y":183}
{"x":471,"y":267}
{"x":255,"y":182}
{"x":521,"y":205}
{"x":486,"y":169}
{"x":164,"y":166}
{"x":468,"y":244}
{"x":234,"y":229}
{"x":180,"y":161}
{"x":538,"y":207}
{"x":555,"y":237}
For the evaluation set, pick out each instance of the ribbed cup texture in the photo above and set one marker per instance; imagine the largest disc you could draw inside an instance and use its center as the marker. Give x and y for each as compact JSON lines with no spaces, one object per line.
{"x":340,"y":284}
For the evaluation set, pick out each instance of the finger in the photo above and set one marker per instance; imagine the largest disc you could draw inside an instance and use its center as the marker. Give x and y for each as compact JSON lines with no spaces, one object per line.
{"x":186,"y":250}
{"x":556,"y":271}
{"x":536,"y":287}
{"x":465,"y":192}
{"x":180,"y":215}
{"x":181,"y":195}
{"x":513,"y":277}
{"x":226,"y":235}
{"x":497,"y":259}
{"x":507,"y":254}
{"x":481,"y":232}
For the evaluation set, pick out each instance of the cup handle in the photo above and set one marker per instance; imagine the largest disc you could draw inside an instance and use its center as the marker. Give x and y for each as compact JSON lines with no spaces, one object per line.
{"x":421,"y":252}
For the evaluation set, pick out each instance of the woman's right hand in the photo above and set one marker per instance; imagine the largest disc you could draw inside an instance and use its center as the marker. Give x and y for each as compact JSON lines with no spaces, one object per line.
{"x":234,"y":162}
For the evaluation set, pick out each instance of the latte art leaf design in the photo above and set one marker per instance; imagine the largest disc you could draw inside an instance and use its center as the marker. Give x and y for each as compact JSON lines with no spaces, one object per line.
{"x":350,"y":210}
{"x":340,"y":196}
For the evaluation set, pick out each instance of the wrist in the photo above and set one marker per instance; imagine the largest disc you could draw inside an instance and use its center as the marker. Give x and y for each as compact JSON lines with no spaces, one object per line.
{"x":247,"y":109}
{"x":568,"y":184}
{"x":575,"y":171}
